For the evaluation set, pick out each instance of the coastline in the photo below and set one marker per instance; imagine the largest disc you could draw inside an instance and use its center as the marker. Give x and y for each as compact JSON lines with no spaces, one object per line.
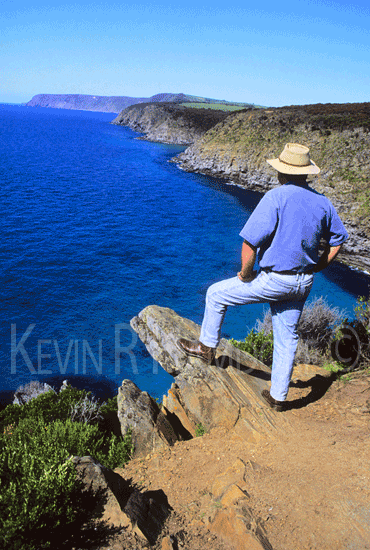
{"x":225,"y":151}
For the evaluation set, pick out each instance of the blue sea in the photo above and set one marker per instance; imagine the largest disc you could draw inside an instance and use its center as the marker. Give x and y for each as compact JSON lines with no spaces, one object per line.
{"x":96,"y":225}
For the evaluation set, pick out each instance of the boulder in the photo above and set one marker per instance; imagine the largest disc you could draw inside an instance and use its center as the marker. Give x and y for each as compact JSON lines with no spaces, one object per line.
{"x":112,"y":489}
{"x":121,"y":505}
{"x":29,"y":391}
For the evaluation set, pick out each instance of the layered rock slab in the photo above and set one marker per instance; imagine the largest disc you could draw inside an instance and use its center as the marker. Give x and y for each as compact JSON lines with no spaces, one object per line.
{"x":225,"y":394}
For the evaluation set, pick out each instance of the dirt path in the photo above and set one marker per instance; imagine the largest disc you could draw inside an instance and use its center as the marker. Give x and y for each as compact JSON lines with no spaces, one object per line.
{"x":310,"y":486}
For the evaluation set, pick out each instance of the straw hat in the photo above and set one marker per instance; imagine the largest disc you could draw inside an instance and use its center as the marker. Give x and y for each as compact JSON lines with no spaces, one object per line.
{"x":295,"y":159}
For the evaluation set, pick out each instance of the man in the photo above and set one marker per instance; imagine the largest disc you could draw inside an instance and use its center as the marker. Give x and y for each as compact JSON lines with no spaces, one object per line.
{"x":283,"y":233}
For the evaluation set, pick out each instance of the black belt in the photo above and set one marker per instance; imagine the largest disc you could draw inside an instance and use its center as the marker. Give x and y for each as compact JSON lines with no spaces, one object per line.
{"x":269,"y":270}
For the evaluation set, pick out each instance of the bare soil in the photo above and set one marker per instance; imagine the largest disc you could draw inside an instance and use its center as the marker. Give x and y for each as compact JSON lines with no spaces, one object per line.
{"x":310,"y":485}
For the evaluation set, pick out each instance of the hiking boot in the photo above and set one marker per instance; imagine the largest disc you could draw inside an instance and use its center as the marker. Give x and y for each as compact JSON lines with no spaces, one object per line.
{"x":197,"y":349}
{"x":273,"y":403}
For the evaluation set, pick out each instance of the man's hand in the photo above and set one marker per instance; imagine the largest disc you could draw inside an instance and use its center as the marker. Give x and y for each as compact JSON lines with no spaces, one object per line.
{"x":248,"y":278}
{"x":329,"y":254}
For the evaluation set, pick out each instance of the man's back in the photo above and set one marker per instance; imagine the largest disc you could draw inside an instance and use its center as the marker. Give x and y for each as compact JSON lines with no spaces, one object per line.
{"x":288,"y":224}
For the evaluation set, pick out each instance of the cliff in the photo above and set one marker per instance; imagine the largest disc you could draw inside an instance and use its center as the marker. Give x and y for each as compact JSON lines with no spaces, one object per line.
{"x":338,"y":138}
{"x":170,"y":122}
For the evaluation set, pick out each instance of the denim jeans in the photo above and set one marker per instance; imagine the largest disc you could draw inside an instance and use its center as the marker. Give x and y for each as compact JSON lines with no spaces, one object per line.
{"x":286,"y":295}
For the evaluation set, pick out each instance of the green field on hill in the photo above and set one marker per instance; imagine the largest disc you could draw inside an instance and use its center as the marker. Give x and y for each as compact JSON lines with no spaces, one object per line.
{"x":220,"y":106}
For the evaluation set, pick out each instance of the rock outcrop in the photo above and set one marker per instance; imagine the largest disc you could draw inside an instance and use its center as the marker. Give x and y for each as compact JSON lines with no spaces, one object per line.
{"x":225,"y":394}
{"x":139,"y":412}
{"x":169,"y":122}
{"x":233,"y":520}
{"x":338,"y":137}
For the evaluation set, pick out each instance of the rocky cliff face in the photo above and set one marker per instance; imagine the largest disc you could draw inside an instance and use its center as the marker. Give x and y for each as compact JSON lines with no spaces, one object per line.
{"x":339,"y":139}
{"x":170,"y":122}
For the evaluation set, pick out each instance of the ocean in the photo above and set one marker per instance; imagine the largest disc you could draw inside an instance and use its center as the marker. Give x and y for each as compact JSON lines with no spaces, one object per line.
{"x":96,"y":225}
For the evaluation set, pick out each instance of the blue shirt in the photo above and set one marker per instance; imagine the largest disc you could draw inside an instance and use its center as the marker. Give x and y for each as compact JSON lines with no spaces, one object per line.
{"x":287,"y":224}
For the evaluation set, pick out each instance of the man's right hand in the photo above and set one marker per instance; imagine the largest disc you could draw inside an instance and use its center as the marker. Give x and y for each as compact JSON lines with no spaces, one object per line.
{"x":248,"y":278}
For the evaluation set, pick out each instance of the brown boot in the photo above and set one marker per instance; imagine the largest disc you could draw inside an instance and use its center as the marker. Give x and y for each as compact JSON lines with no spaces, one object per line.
{"x":197,"y":349}
{"x":273,"y":403}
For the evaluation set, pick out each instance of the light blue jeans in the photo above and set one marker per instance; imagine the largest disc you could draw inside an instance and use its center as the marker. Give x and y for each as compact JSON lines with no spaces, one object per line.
{"x":286,"y":295}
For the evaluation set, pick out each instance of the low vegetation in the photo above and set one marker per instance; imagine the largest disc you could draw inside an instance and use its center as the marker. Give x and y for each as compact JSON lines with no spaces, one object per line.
{"x":200,"y":430}
{"x":326,"y":337}
{"x":42,"y":502}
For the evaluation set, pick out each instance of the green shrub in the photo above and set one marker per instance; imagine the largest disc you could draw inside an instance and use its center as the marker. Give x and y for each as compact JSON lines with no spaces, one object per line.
{"x":41,"y":497}
{"x":40,"y":494}
{"x":258,"y":344}
{"x":362,"y":311}
{"x":49,"y":406}
{"x":316,"y":330}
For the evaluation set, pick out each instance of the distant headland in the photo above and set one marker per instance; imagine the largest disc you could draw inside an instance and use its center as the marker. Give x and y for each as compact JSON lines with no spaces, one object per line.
{"x":115,"y":104}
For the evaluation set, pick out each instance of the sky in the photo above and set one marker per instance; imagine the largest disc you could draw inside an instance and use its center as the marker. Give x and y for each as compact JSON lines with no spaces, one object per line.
{"x":266,"y":53}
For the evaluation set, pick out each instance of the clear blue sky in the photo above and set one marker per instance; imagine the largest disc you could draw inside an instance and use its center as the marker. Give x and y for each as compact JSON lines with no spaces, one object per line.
{"x":268,"y":53}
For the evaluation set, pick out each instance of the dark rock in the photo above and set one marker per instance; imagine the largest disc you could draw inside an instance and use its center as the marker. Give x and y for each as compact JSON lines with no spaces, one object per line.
{"x":113,"y":491}
{"x":147,"y":512}
{"x":120,"y":504}
{"x":140,"y":413}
